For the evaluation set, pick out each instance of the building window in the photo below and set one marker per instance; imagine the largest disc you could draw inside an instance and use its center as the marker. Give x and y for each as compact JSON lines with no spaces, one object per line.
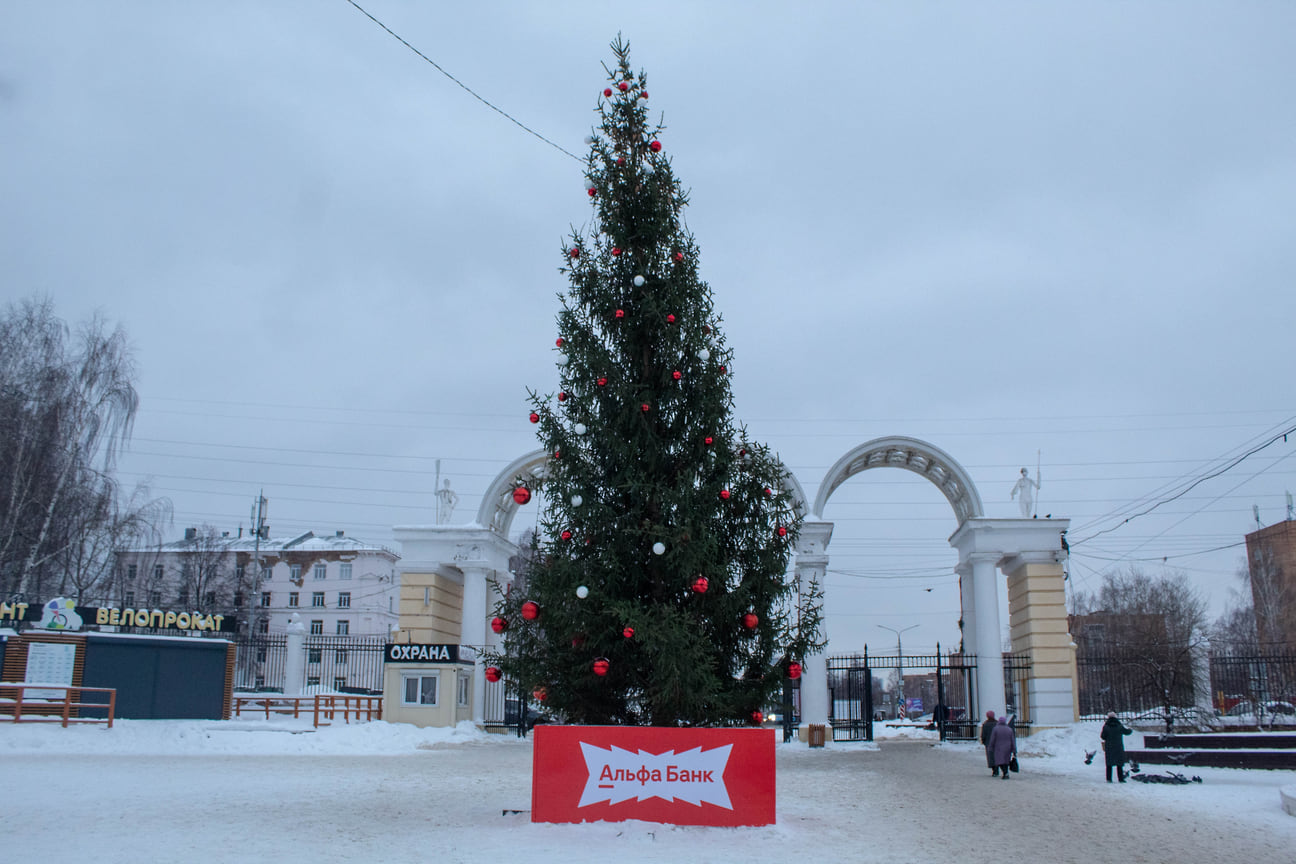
{"x":238,"y":599}
{"x":131,"y":571}
{"x":339,"y":682}
{"x":157,"y":571}
{"x":317,"y":598}
{"x":340,"y":656}
{"x":312,"y":680}
{"x":321,"y":571}
{"x":266,"y":573}
{"x":344,"y":599}
{"x":263,"y":626}
{"x":240,"y":571}
{"x":294,"y":599}
{"x":419,"y":688}
{"x":463,"y":691}
{"x":344,"y":628}
{"x":317,"y":628}
{"x":183,"y":595}
{"x":345,"y":570}
{"x":155,"y":598}
{"x":130,"y":599}
{"x":313,"y":655}
{"x":261,"y":655}
{"x":295,"y":572}
{"x":210,"y":599}
{"x":265,"y":598}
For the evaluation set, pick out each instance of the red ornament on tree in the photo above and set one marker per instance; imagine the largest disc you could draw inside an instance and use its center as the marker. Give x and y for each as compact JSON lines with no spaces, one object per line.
{"x":601,"y":667}
{"x":769,"y":493}
{"x":521,"y":495}
{"x":530,"y":610}
{"x":602,"y":382}
{"x":566,"y":535}
{"x":645,"y":408}
{"x":643,"y":95}
{"x":655,"y":146}
{"x":670,"y":319}
{"x":794,"y":670}
{"x":535,"y":418}
{"x":574,"y":252}
{"x":498,"y":624}
{"x":677,"y":375}
{"x":723,"y":369}
{"x":616,"y":250}
{"x":592,"y":191}
{"x":679,"y":256}
{"x":757,"y":718}
{"x":557,"y":454}
{"x":782,"y":532}
{"x":540,"y":694}
{"x":628,"y":632}
{"x":708,"y":440}
{"x":620,"y":160}
{"x":706,"y":329}
{"x":562,"y":395}
{"x":623,"y":86}
{"x":607,"y":91}
{"x":620,"y":313}
{"x":750,"y":620}
{"x":700,"y":585}
{"x":724,"y":494}
{"x":493,"y":674}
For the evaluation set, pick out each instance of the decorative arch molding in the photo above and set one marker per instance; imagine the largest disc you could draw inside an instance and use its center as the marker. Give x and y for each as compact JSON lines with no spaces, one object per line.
{"x":498,"y":507}
{"x":911,"y":454}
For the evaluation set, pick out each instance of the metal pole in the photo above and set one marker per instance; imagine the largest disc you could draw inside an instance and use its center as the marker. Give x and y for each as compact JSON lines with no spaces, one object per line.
{"x":899,"y":655}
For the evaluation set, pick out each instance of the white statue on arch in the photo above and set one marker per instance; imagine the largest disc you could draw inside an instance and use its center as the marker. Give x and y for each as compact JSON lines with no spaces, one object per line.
{"x":1027,"y":486}
{"x":446,"y":501}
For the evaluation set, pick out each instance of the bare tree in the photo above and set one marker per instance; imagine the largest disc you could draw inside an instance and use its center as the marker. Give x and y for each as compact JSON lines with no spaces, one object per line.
{"x":207,"y":571}
{"x":1152,"y":631}
{"x":67,"y":405}
{"x":1273,"y":597}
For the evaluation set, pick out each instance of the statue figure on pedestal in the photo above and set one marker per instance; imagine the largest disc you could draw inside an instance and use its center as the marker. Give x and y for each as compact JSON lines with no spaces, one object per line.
{"x":1027,"y":487}
{"x":446,"y":501}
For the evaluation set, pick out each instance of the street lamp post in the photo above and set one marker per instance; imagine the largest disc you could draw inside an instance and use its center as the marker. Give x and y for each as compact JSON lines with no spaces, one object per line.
{"x":899,"y":654}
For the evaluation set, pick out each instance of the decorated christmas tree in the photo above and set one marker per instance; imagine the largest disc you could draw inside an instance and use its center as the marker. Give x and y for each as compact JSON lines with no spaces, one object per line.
{"x":659,"y":593}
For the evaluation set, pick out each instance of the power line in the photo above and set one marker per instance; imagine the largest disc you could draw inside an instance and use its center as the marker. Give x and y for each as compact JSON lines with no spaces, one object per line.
{"x":466,"y":88}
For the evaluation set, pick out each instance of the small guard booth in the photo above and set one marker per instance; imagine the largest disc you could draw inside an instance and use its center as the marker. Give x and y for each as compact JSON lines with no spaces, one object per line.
{"x":427,"y":684}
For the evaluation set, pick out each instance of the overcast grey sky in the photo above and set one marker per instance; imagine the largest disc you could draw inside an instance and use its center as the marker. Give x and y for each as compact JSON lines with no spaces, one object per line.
{"x":1003,"y":228}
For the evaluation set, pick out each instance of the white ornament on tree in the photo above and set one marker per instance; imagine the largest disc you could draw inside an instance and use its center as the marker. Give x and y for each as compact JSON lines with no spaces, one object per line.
{"x":579,"y":428}
{"x":659,"y":549}
{"x":704,"y":354}
{"x":577,"y":500}
{"x":582,"y":592}
{"x":639,"y":281}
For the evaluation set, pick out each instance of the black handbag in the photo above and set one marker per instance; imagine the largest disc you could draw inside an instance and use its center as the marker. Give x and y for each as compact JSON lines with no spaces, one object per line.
{"x":1012,"y":765}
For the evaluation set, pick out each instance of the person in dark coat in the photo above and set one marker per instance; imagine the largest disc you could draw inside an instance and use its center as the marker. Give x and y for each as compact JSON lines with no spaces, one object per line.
{"x":986,"y":728}
{"x":1003,"y":745}
{"x":1113,"y":742}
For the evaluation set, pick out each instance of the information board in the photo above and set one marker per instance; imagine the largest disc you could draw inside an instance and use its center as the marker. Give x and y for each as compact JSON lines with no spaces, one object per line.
{"x":49,"y":663}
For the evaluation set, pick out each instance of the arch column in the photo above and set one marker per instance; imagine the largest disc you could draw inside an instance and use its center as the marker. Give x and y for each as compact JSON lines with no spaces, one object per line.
{"x":811,"y":566}
{"x":983,"y":569}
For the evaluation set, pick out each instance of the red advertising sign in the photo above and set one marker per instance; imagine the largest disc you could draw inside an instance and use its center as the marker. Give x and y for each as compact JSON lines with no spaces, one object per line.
{"x":721,"y":777}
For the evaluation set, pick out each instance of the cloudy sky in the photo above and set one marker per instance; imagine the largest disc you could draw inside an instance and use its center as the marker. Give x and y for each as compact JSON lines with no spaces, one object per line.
{"x":1055,"y":234}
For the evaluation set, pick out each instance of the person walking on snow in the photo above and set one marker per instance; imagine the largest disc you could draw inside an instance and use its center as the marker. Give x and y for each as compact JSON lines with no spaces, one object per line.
{"x":1113,"y":742}
{"x":986,"y":728}
{"x":1003,"y":745}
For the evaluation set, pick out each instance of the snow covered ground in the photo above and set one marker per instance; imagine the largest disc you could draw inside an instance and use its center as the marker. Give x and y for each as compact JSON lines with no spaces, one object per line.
{"x":275,"y":791}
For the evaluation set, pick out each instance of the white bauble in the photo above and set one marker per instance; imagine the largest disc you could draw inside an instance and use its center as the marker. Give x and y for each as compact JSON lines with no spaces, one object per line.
{"x":639,"y":281}
{"x":582,"y":592}
{"x":577,"y":500}
{"x":659,"y":548}
{"x":704,"y":354}
{"x":579,"y":428}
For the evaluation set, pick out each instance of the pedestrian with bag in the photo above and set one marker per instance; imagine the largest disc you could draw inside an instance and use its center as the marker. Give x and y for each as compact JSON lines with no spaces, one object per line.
{"x":1113,"y":743}
{"x":1003,"y":746}
{"x":986,"y":728}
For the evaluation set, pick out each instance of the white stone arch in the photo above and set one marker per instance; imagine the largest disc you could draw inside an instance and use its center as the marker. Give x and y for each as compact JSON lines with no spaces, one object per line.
{"x":497,"y":506}
{"x":898,"y":451}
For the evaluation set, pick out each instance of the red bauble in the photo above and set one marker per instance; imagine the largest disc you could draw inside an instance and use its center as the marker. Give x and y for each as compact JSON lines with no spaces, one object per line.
{"x":530,"y":610}
{"x":601,"y":667}
{"x":620,"y":313}
{"x":782,"y":532}
{"x":620,"y":160}
{"x":602,"y":382}
{"x":655,"y":146}
{"x":540,"y":694}
{"x":616,"y":250}
{"x":521,"y":495}
{"x":623,"y":86}
{"x":592,"y":192}
{"x":794,"y":670}
{"x":670,"y":319}
{"x":607,"y":91}
{"x":700,"y":585}
{"x":578,"y":641}
{"x":643,"y":94}
{"x":562,"y":395}
{"x":723,"y":369}
{"x":677,"y":375}
{"x":750,"y":620}
{"x":679,"y":256}
{"x":559,"y":342}
{"x":557,"y":454}
{"x":769,"y":493}
{"x":628,"y":632}
{"x":499,"y":625}
{"x":706,"y":329}
{"x":493,"y":674}
{"x":535,"y":418}
{"x":645,"y":408}
{"x":574,"y":252}
{"x":708,"y":440}
{"x":724,"y":494}
{"x":757,"y":718}
{"x":566,"y":535}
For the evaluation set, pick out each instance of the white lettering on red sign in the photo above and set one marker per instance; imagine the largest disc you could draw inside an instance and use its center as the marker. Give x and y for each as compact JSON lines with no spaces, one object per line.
{"x":617,"y":775}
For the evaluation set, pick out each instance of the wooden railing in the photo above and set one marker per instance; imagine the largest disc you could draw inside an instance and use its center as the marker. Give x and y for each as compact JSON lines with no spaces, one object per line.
{"x":323,"y":708}
{"x":19,"y":705}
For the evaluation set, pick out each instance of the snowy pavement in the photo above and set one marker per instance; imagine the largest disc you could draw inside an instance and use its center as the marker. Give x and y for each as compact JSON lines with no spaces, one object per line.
{"x":248,"y":792}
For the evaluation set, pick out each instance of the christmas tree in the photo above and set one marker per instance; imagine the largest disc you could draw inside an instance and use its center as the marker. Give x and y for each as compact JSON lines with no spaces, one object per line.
{"x":660,"y":592}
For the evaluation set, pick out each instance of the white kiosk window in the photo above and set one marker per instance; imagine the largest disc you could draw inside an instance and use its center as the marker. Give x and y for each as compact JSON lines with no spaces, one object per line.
{"x":463,"y":691}
{"x":419,"y":688}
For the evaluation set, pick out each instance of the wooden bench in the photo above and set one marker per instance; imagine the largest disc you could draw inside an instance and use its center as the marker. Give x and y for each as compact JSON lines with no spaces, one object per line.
{"x":323,"y":708}
{"x":19,"y":703}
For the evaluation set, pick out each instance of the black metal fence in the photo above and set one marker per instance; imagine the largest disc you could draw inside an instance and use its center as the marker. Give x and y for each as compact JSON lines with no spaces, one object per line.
{"x":334,"y":664}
